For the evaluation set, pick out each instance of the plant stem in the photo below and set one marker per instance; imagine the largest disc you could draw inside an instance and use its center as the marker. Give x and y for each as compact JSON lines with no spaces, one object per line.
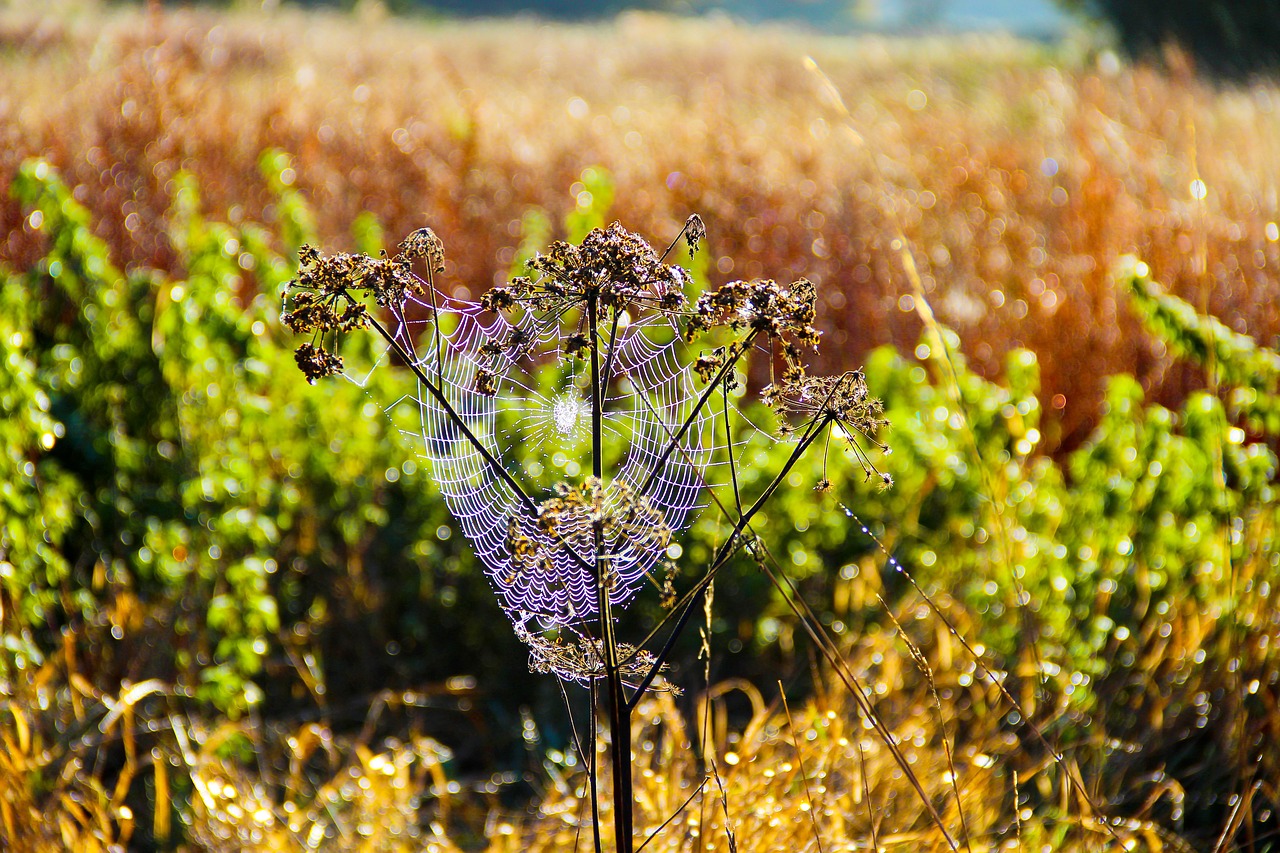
{"x":722,"y":556}
{"x":592,"y":770}
{"x":734,"y":354}
{"x":619,"y":711}
{"x":454,"y":416}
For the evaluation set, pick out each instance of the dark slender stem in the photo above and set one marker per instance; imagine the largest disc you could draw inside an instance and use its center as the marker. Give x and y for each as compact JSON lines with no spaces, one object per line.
{"x":435,"y":323}
{"x":438,"y":394}
{"x":693,"y":415}
{"x":814,"y":428}
{"x":675,"y":814}
{"x":733,"y":468}
{"x":608,"y":361}
{"x":672,"y":244}
{"x":593,"y":769}
{"x":808,"y":620}
{"x":722,"y":556}
{"x":582,"y":753}
{"x":498,"y":468}
{"x":597,"y":435}
{"x":619,"y":711}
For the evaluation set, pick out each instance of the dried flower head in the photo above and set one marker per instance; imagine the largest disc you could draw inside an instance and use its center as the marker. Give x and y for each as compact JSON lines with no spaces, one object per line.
{"x":325,"y":297}
{"x":499,"y":298}
{"x":486,"y":383}
{"x":843,"y":399}
{"x":424,"y":243}
{"x":842,"y":402}
{"x":614,"y":266}
{"x":783,"y":314}
{"x":694,"y":232}
{"x":577,"y":344}
{"x":619,"y":513}
{"x":582,"y":660}
{"x":708,"y":363}
{"x":316,"y":363}
{"x":570,"y":521}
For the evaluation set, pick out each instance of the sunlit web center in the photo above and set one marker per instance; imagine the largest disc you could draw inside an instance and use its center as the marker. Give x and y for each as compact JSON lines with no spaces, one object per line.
{"x":568,"y":413}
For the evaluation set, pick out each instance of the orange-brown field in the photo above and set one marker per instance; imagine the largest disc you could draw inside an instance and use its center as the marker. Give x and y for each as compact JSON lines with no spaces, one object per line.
{"x":1017,"y":176}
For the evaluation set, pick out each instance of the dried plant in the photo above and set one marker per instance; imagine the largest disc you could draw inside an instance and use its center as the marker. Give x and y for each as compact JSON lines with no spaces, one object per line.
{"x":564,"y":565}
{"x":1016,"y":183}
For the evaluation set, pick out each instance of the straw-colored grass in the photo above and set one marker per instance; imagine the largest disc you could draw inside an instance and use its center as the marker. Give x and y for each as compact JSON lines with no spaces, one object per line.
{"x":805,"y":778}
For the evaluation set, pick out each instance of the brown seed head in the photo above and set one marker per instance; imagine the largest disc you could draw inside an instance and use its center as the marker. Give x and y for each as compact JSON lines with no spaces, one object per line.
{"x":424,"y":243}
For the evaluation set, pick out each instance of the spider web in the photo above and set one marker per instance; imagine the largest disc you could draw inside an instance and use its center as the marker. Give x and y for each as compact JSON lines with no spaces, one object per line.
{"x":537,"y":427}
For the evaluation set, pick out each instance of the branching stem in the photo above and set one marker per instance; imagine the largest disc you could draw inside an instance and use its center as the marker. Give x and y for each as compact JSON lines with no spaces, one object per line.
{"x":454,"y":416}
{"x":722,"y":556}
{"x":737,"y":352}
{"x":498,"y":468}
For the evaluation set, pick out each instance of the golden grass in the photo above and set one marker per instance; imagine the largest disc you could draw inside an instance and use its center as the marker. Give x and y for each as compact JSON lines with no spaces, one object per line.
{"x":47,"y":800}
{"x":467,"y":127}
{"x":735,"y":762}
{"x":777,"y":785}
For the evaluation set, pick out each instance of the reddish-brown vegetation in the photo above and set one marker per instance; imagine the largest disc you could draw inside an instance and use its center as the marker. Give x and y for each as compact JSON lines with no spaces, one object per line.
{"x":1018,"y":182}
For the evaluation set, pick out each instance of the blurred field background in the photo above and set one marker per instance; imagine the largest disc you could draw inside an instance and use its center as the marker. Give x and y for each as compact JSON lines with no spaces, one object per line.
{"x":235,"y":617}
{"x":1019,"y":181}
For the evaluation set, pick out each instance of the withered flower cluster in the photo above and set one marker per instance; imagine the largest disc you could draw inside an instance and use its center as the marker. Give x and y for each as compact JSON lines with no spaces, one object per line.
{"x":785,"y":315}
{"x":424,"y":243}
{"x":494,"y":352}
{"x":708,"y":363}
{"x":325,"y":297}
{"x":582,"y":660}
{"x":843,"y":401}
{"x":695,"y":232}
{"x":635,"y":520}
{"x":574,"y":513}
{"x":614,"y":266}
{"x":315,"y":362}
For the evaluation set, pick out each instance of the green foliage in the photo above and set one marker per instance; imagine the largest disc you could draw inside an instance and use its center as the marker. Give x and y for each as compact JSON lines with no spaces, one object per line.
{"x":168,"y":502}
{"x":1142,"y":523}
{"x":1249,"y":372}
{"x":535,"y":235}
{"x":37,"y":501}
{"x":594,"y":196}
{"x":176,"y":505}
{"x":592,"y":203}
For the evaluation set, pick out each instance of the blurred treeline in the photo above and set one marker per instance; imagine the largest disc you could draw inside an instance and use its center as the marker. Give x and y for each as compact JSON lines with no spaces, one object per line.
{"x":1231,"y":38}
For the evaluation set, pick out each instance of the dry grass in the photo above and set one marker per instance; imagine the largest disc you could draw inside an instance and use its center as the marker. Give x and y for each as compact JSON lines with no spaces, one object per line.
{"x":466,"y":128}
{"x":816,"y":779}
{"x":48,"y":799}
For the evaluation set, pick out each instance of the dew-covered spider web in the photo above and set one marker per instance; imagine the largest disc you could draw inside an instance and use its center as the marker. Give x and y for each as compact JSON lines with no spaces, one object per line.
{"x":535,"y":422}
